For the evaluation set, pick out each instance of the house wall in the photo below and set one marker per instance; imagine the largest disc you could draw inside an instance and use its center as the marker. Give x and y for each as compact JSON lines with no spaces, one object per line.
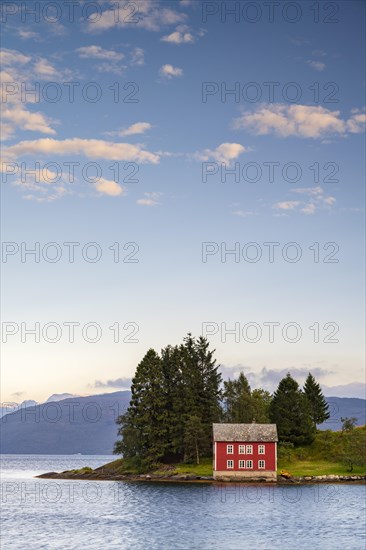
{"x":221,"y":457}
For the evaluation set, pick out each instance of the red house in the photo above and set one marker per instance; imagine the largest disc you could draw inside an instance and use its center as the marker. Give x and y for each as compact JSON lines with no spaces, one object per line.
{"x":245,"y":451}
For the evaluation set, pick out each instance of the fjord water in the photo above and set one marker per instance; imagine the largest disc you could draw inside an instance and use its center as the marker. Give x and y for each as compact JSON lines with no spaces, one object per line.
{"x":41,"y":513}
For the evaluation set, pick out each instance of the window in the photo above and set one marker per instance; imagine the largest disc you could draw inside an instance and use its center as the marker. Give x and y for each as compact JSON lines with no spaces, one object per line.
{"x":230,"y":449}
{"x":241,"y":463}
{"x":242,"y":449}
{"x":261,"y":464}
{"x":249,"y":464}
{"x":261,"y":449}
{"x":230,"y":464}
{"x":249,"y":449}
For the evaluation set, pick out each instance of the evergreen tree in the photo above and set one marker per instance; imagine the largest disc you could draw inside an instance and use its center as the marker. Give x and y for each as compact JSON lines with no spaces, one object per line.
{"x":144,"y":428}
{"x":238,"y":402}
{"x":290,"y":410}
{"x":193,"y":437}
{"x":318,"y":405}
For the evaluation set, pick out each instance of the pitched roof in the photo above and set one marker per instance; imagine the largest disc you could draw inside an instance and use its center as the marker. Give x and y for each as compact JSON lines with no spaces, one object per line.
{"x":245,"y":432}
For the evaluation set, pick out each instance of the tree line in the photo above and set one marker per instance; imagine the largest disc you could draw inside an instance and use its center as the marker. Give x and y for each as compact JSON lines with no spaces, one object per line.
{"x":177,"y":395}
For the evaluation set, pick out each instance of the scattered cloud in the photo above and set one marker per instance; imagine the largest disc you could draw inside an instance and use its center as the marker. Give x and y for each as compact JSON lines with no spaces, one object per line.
{"x":226,"y":152}
{"x":181,"y":35}
{"x":315,"y":200}
{"x":109,"y":187}
{"x":90,"y":148}
{"x":316,"y":65}
{"x":137,"y":128}
{"x":19,"y":117}
{"x":149,"y":15}
{"x":318,"y":53}
{"x":137,"y":57}
{"x":168,"y":71}
{"x":97,"y":52}
{"x":26,"y":34}
{"x":302,"y":121}
{"x":150,"y":199}
{"x":116,"y":383}
{"x":286,"y":205}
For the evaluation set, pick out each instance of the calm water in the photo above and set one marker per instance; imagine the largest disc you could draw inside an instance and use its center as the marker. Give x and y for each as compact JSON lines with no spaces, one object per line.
{"x":101,"y":515}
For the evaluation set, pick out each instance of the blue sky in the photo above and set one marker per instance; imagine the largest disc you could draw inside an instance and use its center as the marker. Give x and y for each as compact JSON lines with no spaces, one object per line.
{"x":167,"y":138}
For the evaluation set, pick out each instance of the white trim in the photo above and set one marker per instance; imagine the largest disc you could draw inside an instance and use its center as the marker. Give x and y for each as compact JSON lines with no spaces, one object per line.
{"x":232,"y":449}
{"x":215,"y":455}
{"x":243,"y":451}
{"x":261,"y":446}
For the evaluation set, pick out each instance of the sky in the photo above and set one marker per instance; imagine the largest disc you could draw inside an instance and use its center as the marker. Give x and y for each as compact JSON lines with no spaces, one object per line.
{"x":182,"y":166}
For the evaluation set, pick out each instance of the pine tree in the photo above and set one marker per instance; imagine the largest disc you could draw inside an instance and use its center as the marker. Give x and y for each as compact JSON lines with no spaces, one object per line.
{"x":144,"y":426}
{"x":238,"y":402}
{"x":290,"y":410}
{"x":318,"y":405}
{"x":193,"y":437}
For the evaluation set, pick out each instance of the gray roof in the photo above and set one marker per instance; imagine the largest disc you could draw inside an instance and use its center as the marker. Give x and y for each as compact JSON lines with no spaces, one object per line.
{"x":245,"y":432}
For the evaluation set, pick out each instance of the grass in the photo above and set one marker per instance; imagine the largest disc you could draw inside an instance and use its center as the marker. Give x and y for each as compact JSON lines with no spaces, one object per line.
{"x":325,"y":456}
{"x":318,"y":468}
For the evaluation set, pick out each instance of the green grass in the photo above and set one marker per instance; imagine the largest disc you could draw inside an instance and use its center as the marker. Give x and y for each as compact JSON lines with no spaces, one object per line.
{"x":318,"y":468}
{"x":325,"y":456}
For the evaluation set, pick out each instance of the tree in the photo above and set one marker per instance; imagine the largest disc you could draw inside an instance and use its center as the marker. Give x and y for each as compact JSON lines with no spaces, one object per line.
{"x":291,"y":412}
{"x":193,"y":437}
{"x":318,"y":405}
{"x":238,"y":401}
{"x":143,"y":428}
{"x":175,"y":399}
{"x":348,"y":424}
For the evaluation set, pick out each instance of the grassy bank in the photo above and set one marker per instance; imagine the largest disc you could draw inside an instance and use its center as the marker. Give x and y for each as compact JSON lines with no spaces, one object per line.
{"x":332,"y":453}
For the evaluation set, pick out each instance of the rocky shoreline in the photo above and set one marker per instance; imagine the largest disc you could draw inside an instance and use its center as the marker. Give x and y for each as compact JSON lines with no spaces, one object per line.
{"x":191,"y":478}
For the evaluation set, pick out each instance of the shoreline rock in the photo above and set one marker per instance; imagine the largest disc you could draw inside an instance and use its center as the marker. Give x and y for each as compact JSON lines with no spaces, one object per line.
{"x":191,"y":478}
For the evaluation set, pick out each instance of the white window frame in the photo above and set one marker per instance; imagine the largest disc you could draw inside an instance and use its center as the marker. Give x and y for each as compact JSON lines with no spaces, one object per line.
{"x":230,"y":462}
{"x":259,"y":465}
{"x":249,"y":449}
{"x":261,"y":449}
{"x":242,"y":449}
{"x":231,"y":452}
{"x":249,"y":464}
{"x":243,"y":464}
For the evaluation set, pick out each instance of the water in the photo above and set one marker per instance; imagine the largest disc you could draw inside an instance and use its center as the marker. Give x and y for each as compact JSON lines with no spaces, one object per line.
{"x":62,"y":514}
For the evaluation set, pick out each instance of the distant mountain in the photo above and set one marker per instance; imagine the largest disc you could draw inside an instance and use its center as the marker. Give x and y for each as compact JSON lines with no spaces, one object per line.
{"x":87,"y":425}
{"x":83,"y":425}
{"x":7,"y":408}
{"x":60,"y":397}
{"x":344,"y":407}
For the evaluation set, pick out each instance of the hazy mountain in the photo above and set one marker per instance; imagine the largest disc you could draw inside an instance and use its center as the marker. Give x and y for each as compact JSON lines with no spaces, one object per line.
{"x":60,"y":397}
{"x":75,"y":425}
{"x":344,"y":407}
{"x":87,"y":424}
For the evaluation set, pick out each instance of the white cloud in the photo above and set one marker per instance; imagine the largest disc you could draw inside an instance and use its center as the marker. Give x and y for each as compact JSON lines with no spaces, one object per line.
{"x":226,"y":152}
{"x":178,"y":37}
{"x":11,"y":57}
{"x":25,"y":34}
{"x":150,"y":199}
{"x":19,"y":117}
{"x":316,"y":200}
{"x":150,"y":15}
{"x":109,"y":187}
{"x":91,"y":148}
{"x":308,"y":190}
{"x":309,"y":208}
{"x":316,"y":65}
{"x":137,"y":128}
{"x":44,"y":69}
{"x":286,"y":205}
{"x":96,"y":52}
{"x":137,"y":57}
{"x":299,"y":120}
{"x":168,"y":71}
